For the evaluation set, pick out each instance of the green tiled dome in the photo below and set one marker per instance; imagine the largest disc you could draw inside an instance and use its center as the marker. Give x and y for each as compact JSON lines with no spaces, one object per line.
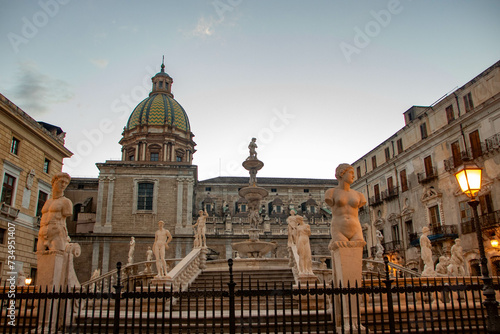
{"x":159,"y":109}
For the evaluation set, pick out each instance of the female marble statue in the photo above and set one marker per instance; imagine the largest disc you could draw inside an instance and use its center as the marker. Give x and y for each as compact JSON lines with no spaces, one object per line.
{"x":345,"y":203}
{"x":426,"y":253}
{"x":303,"y":246}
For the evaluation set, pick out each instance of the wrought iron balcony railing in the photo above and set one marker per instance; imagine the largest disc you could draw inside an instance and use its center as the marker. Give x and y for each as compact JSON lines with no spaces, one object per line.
{"x":427,"y":176}
{"x":487,"y":221}
{"x":389,"y":194}
{"x":490,"y":145}
{"x":375,"y":200}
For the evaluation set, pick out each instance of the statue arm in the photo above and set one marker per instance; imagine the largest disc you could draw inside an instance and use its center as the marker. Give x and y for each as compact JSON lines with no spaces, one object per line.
{"x":329,"y":197}
{"x":362,"y":200}
{"x":67,"y":209}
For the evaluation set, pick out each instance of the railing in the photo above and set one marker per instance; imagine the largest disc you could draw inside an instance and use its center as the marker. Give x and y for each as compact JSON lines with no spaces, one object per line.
{"x":427,"y":176}
{"x":487,"y":221}
{"x":389,"y":194}
{"x":409,"y":305}
{"x":375,"y":200}
{"x":490,"y":145}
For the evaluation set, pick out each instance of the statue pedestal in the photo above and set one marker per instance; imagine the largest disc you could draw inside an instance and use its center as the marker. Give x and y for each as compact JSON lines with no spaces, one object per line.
{"x":347,"y":270}
{"x":309,"y":281}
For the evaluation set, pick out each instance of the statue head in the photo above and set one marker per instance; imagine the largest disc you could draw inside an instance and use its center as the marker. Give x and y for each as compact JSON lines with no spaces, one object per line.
{"x":341,"y":169}
{"x":60,"y":175}
{"x":425,"y":230}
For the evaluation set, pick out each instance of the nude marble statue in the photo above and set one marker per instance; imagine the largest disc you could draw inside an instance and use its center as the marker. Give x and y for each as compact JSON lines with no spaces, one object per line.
{"x":162,"y":239}
{"x":200,"y":239}
{"x":345,"y":203}
{"x":303,"y":246}
{"x":53,"y":233}
{"x":426,"y":253}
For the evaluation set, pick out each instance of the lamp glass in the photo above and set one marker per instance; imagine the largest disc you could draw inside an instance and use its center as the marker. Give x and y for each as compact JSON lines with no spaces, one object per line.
{"x":494,"y":242}
{"x":27,"y":281}
{"x":469,"y":179}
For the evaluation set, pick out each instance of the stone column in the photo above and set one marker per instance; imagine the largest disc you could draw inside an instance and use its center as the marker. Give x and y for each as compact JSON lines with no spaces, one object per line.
{"x":189,"y":204}
{"x":105,"y":257}
{"x":144,"y":148}
{"x":165,"y":146}
{"x":137,"y":152}
{"x":95,"y":255}
{"x":109,"y":206}
{"x":347,"y":269}
{"x":100,"y":194}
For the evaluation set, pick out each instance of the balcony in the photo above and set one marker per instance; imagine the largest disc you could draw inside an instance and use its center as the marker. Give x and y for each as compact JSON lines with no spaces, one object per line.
{"x":437,"y":233}
{"x":8,"y":211}
{"x":390,"y":194}
{"x":487,"y":221}
{"x":375,"y":200}
{"x":490,"y":146}
{"x":427,"y":176}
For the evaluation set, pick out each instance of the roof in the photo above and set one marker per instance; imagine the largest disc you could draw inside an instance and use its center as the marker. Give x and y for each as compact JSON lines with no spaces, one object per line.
{"x":270,"y":181}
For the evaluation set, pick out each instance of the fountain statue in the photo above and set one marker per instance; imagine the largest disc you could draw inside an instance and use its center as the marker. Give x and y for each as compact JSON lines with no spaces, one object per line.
{"x":253,"y":194}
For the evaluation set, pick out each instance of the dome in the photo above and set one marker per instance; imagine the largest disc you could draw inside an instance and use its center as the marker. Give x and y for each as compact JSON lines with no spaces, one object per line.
{"x":159,"y":109}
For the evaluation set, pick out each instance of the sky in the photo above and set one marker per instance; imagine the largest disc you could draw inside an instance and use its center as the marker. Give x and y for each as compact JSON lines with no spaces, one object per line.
{"x":318,"y":83}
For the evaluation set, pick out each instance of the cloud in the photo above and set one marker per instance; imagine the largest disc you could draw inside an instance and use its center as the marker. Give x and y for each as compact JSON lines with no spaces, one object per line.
{"x":36,"y":91}
{"x":204,"y":28}
{"x":101,"y":63}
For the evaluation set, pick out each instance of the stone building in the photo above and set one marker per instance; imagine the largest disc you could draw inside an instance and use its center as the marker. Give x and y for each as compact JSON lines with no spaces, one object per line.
{"x":409,"y":178}
{"x":31,"y":154}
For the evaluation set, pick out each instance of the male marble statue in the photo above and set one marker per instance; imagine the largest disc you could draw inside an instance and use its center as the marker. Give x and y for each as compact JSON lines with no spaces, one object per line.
{"x":345,"y":203}
{"x":252,"y":146}
{"x":162,"y":239}
{"x":53,"y":234}
{"x":200,"y":239}
{"x":303,"y":246}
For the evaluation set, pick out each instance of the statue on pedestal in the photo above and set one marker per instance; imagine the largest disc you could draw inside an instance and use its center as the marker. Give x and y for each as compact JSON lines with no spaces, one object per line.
{"x":162,"y":239}
{"x":347,"y":237}
{"x":252,"y":146}
{"x":379,"y":249}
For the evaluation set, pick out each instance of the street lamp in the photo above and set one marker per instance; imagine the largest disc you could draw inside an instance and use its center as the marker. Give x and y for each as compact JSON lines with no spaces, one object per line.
{"x":27,"y":281}
{"x":469,"y":179}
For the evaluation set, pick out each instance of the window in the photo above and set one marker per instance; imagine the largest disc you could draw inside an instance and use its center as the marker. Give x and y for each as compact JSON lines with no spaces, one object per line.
{"x":14,"y":146}
{"x":35,"y":245}
{"x":400,"y":145}
{"x":274,"y":190}
{"x":423,"y":130}
{"x":46,"y":165}
{"x":469,"y":105}
{"x":374,"y":162}
{"x":161,"y":84}
{"x":475,"y":144}
{"x":450,"y":114}
{"x":404,"y":181}
{"x":2,"y":235}
{"x":429,"y":170}
{"x":395,"y":232}
{"x":455,"y":152}
{"x":243,"y":208}
{"x":306,"y":190}
{"x":8,"y":189}
{"x":358,"y":171}
{"x":387,"y":154}
{"x":33,"y":276}
{"x":131,"y":158}
{"x":278,"y":208}
{"x":42,"y":198}
{"x":208,"y":188}
{"x":178,"y":159}
{"x":145,"y":196}
{"x":434,"y":217}
{"x":390,"y":186}
{"x":155,"y":156}
{"x":376,"y":190}
{"x":465,"y":212}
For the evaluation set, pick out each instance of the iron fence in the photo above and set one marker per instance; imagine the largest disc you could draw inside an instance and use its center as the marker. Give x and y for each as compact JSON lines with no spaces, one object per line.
{"x":389,"y":305}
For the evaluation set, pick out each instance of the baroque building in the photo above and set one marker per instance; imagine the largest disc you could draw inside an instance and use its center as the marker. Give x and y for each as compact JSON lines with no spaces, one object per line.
{"x":409,"y":178}
{"x":31,"y":154}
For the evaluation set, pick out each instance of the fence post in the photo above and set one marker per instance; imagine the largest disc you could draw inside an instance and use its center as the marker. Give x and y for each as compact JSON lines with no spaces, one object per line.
{"x":231,"y":285}
{"x":390,"y":306}
{"x":118,"y":288}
